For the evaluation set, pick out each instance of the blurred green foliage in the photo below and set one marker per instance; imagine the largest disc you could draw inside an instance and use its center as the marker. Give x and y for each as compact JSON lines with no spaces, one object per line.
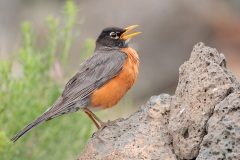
{"x":30,"y":82}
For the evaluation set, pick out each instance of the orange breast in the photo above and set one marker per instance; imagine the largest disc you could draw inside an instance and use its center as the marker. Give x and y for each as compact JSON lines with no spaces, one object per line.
{"x":110,"y":94}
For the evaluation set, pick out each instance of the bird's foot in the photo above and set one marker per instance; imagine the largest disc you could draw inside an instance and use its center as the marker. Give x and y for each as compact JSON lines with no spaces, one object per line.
{"x":106,"y":124}
{"x":110,"y":123}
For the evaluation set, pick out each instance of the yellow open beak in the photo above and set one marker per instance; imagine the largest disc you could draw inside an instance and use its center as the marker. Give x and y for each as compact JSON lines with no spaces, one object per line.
{"x":124,"y":36}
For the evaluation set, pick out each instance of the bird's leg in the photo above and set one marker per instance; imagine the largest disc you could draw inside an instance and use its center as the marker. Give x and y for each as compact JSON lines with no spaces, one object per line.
{"x":95,"y":118}
{"x":90,"y":116}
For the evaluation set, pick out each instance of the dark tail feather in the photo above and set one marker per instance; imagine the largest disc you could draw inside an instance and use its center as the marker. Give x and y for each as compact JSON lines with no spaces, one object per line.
{"x":35,"y":123}
{"x":47,"y":115}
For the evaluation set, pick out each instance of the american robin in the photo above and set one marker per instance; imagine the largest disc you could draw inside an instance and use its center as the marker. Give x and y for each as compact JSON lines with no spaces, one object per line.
{"x":102,"y":80}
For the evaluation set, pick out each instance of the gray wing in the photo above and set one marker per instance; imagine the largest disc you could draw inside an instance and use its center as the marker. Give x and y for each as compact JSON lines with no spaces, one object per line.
{"x":96,"y":71}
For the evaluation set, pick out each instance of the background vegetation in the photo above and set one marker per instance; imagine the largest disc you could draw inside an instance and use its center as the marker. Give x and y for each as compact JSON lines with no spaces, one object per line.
{"x":30,"y":81}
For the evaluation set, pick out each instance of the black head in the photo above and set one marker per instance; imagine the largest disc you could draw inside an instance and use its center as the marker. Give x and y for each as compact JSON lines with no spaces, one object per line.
{"x":115,"y":37}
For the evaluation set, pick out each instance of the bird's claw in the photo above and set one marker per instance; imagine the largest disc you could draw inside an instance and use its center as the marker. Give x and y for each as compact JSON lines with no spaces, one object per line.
{"x":110,"y":123}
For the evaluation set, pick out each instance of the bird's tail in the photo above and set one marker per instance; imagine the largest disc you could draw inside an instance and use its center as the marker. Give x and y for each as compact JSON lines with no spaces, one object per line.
{"x":56,"y":110}
{"x":44,"y":117}
{"x":35,"y":123}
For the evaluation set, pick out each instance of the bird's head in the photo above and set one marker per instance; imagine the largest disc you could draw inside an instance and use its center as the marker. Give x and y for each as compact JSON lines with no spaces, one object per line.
{"x":115,"y":37}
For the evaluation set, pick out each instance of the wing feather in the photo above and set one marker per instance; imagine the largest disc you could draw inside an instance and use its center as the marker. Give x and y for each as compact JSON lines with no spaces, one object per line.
{"x":93,"y":74}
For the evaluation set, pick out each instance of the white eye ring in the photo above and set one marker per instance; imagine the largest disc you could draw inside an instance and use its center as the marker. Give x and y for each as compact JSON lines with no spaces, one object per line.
{"x":114,"y":35}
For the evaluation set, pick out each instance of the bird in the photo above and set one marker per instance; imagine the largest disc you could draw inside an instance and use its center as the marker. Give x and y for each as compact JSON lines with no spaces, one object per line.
{"x":102,"y":80}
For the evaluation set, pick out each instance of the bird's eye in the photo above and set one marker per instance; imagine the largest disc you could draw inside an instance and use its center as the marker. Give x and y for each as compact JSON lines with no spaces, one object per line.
{"x":114,"y":35}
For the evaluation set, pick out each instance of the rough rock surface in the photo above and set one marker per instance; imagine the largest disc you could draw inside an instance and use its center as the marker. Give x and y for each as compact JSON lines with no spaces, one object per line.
{"x":204,"y":82}
{"x":201,"y":121}
{"x":223,"y":128}
{"x":143,"y":135}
